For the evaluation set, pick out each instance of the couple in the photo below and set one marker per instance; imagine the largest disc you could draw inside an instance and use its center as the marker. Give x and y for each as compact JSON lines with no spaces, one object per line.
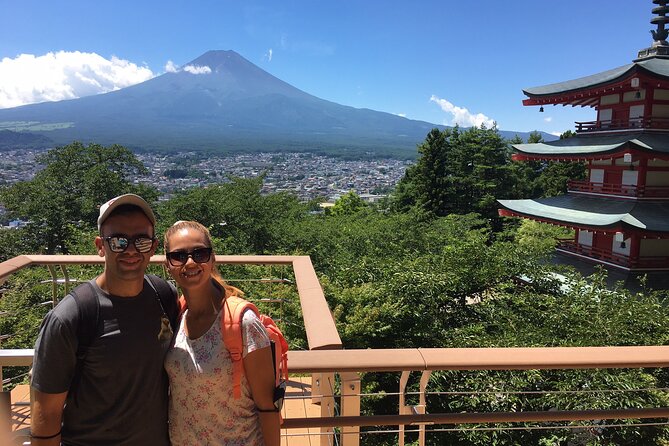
{"x":113,"y":390}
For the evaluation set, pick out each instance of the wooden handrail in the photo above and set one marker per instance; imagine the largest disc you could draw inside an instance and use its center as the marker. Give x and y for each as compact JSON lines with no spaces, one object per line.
{"x":318,"y":322}
{"x":475,"y":418}
{"x":395,"y":360}
{"x":418,"y":359}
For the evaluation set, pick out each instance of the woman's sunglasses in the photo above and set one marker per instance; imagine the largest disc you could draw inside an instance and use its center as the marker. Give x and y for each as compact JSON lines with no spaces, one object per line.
{"x":179,"y":258}
{"x":119,"y":243}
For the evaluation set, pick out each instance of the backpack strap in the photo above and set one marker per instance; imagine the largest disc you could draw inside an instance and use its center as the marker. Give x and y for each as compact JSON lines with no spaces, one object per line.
{"x":182,"y":305}
{"x":89,"y":327}
{"x":233,"y":308}
{"x":167,"y":298}
{"x":279,"y":348}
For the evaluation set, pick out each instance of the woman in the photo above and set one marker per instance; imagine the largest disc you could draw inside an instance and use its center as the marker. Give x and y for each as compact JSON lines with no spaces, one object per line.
{"x":202,"y":407}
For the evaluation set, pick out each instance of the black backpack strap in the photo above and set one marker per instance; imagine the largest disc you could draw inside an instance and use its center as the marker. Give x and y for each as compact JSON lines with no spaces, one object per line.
{"x":88,"y":327}
{"x":167,"y":298}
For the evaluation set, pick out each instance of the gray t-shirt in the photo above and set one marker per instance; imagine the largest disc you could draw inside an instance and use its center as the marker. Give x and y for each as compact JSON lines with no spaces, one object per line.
{"x":121,"y":398}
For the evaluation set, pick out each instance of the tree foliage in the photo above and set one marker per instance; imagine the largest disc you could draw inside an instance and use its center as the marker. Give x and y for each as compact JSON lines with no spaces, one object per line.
{"x":236,"y":213}
{"x":347,"y":204}
{"x":462,"y":171}
{"x":458,"y":171}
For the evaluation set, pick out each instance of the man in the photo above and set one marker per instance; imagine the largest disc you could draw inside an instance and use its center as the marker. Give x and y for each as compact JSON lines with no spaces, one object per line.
{"x":116,"y":392}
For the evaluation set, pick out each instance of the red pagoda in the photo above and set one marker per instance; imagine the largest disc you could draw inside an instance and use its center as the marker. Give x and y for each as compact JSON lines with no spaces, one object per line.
{"x":620,"y":214}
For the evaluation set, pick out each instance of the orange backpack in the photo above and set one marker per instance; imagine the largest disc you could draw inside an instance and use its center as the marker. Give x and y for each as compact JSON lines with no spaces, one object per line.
{"x":231,"y":329}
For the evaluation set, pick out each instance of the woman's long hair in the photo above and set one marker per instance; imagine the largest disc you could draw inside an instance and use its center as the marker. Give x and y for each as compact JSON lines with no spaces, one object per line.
{"x":215,"y":274}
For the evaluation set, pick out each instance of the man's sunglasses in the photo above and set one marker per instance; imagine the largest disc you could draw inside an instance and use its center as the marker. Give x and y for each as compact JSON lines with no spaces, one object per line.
{"x":118,"y":243}
{"x":180,"y":258}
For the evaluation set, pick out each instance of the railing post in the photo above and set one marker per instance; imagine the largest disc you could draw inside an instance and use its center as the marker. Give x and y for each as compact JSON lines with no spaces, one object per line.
{"x":322,"y":393}
{"x":350,"y":406}
{"x":66,"y":278}
{"x":54,"y":285}
{"x":5,"y":414}
{"x":422,"y":404}
{"x":316,"y":388}
{"x":403,"y":409}
{"x":327,"y":407}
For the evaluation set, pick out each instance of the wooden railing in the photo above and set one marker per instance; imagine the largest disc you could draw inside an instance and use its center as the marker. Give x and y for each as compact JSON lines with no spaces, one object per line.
{"x":319,"y":325}
{"x":328,"y":363}
{"x":345,"y":366}
{"x":623,"y":124}
{"x":627,"y":190}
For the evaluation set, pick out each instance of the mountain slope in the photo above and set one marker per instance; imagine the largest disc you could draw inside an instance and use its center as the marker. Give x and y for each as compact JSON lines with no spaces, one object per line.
{"x":231,"y":105}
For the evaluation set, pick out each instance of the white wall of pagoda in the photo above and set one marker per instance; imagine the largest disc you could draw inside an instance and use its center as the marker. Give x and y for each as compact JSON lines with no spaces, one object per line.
{"x":584,"y":237}
{"x":596,"y":175}
{"x":605,"y":114}
{"x":609,"y":99}
{"x":630,"y":177}
{"x":622,"y":249}
{"x":636,"y":111}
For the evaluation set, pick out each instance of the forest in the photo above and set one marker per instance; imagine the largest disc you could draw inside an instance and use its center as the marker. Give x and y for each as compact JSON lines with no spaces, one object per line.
{"x":433,"y":265}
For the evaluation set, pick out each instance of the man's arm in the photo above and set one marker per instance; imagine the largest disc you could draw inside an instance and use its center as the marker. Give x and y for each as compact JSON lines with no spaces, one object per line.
{"x":46,"y":416}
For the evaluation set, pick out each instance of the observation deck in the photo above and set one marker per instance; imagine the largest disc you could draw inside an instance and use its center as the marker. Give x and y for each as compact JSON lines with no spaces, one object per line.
{"x":324,"y":397}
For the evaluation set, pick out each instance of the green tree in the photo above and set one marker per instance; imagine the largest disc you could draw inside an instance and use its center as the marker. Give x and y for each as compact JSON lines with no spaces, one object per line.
{"x":76,"y":179}
{"x":458,"y":172}
{"x":535,"y":137}
{"x":236,"y":213}
{"x":347,"y":204}
{"x":544,"y":178}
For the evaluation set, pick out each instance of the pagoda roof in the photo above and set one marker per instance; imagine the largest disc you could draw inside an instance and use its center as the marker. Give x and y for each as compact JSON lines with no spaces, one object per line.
{"x":588,"y":145}
{"x":594,"y":212}
{"x":654,"y":66}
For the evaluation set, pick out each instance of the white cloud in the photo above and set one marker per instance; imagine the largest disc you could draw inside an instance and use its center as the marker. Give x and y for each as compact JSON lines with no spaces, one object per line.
{"x":268,"y":55}
{"x":170,"y":67}
{"x":548,"y":119}
{"x":461,"y":115}
{"x":556,"y":133}
{"x":403,"y":115}
{"x":27,"y":78}
{"x":197,"y":69}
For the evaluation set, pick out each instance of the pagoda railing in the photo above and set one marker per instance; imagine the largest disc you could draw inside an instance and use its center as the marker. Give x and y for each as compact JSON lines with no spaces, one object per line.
{"x":628,"y":190}
{"x":636,"y":263}
{"x":623,"y":124}
{"x":595,"y":253}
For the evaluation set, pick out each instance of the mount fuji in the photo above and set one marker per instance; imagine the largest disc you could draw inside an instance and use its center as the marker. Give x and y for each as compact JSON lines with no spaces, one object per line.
{"x":219,"y":101}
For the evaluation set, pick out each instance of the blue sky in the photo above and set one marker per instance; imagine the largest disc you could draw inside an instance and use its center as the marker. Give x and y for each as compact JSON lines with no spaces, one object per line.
{"x":439,"y":61}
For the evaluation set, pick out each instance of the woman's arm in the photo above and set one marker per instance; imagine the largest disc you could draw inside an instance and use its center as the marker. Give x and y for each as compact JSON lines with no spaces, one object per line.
{"x":259,"y":370}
